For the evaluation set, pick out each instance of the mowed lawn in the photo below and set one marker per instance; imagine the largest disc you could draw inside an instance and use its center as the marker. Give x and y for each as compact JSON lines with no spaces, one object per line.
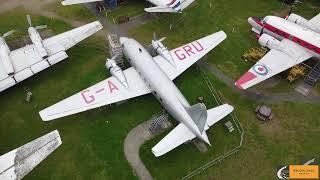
{"x":93,"y":141}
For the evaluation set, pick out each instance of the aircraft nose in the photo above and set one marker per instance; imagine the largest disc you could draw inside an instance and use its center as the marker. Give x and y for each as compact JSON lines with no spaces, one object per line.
{"x":251,"y":21}
{"x":123,"y":39}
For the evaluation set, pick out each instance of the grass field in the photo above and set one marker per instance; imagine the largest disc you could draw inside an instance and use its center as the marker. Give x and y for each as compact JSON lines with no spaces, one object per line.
{"x":93,"y":148}
{"x":75,"y":12}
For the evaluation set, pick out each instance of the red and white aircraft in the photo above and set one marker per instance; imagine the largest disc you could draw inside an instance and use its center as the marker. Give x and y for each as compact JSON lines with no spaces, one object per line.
{"x":292,"y":40}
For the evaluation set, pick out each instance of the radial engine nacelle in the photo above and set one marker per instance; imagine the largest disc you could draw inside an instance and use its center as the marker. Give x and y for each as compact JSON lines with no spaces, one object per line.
{"x":5,"y":57}
{"x":162,"y":50}
{"x":37,"y":42}
{"x":268,"y":41}
{"x":294,"y":18}
{"x":117,"y":72}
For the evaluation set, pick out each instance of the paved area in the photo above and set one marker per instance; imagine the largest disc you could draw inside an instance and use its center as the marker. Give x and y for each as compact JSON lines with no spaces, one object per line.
{"x":135,"y":138}
{"x":121,"y":29}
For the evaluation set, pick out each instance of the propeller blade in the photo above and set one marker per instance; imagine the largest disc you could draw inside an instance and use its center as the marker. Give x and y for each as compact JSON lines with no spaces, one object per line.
{"x":8,"y":33}
{"x":261,"y":32}
{"x":29,"y":20}
{"x":154,"y":36}
{"x":162,"y":39}
{"x":41,"y":27}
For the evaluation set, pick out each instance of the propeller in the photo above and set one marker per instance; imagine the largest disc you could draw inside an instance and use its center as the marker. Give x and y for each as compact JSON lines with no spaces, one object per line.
{"x":29,"y":20}
{"x":37,"y":27}
{"x":292,"y":6}
{"x":155,"y":37}
{"x":8,"y":33}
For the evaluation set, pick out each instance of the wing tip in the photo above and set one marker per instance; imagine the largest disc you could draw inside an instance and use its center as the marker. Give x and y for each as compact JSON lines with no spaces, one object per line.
{"x":43,"y":116}
{"x":238,"y":85}
{"x":64,"y":3}
{"x":241,"y":83}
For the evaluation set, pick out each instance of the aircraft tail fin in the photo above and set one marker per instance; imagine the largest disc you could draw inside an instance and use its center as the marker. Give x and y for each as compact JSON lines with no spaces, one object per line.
{"x":198,"y":113}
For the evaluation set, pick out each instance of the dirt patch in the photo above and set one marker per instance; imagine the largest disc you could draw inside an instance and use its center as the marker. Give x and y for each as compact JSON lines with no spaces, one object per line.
{"x":273,"y":129}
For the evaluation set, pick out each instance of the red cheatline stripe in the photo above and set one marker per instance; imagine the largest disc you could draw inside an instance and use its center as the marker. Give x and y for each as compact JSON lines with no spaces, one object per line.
{"x":258,"y":22}
{"x":295,"y":39}
{"x":248,"y":76}
{"x":171,"y":2}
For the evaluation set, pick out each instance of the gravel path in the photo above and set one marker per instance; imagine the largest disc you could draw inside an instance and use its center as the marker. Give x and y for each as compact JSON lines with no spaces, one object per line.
{"x":258,"y":96}
{"x":135,"y":138}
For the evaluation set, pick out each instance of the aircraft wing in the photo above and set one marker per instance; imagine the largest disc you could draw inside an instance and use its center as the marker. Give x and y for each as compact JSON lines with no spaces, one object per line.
{"x":315,"y":21}
{"x":184,"y":4}
{"x":188,"y":54}
{"x":103,"y":93}
{"x":175,"y":138}
{"x":158,"y":9}
{"x":71,"y":2}
{"x":66,"y":40}
{"x":19,"y":162}
{"x":275,"y":61}
{"x":27,"y":61}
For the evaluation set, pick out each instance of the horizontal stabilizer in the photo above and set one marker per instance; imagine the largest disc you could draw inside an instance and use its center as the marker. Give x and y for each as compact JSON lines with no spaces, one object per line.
{"x":19,"y":162}
{"x":175,"y":138}
{"x":71,"y":2}
{"x":160,"y":9}
{"x":218,"y":113}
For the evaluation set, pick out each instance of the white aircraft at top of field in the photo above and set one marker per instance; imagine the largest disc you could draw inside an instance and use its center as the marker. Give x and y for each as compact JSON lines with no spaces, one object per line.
{"x":22,"y":63}
{"x":152,"y":75}
{"x":292,"y":40}
{"x":170,"y":6}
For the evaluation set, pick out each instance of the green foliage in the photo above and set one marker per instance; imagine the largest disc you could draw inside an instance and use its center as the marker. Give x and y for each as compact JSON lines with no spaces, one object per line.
{"x":130,"y":9}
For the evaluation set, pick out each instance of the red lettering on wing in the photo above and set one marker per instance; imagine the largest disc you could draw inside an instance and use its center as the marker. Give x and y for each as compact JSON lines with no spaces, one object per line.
{"x":188,"y":49}
{"x":112,"y":87}
{"x":180,"y":56}
{"x":199,"y":48}
{"x":87,"y":98}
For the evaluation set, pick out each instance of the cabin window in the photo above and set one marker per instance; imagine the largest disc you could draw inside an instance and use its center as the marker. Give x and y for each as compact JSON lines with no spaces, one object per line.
{"x":160,"y":99}
{"x":140,"y":50}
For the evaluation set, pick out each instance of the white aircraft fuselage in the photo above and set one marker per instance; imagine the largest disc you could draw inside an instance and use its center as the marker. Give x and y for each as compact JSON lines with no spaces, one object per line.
{"x":160,"y":84}
{"x":280,"y":28}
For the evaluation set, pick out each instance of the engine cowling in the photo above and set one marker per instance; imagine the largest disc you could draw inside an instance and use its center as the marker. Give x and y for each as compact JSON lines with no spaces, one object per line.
{"x":37,"y":42}
{"x":268,"y":41}
{"x":5,"y":58}
{"x":163,"y":51}
{"x":294,"y":18}
{"x":117,"y":72}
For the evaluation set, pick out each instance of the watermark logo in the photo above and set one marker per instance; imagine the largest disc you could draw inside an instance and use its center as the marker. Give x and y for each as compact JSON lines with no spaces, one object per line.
{"x":309,"y":170}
